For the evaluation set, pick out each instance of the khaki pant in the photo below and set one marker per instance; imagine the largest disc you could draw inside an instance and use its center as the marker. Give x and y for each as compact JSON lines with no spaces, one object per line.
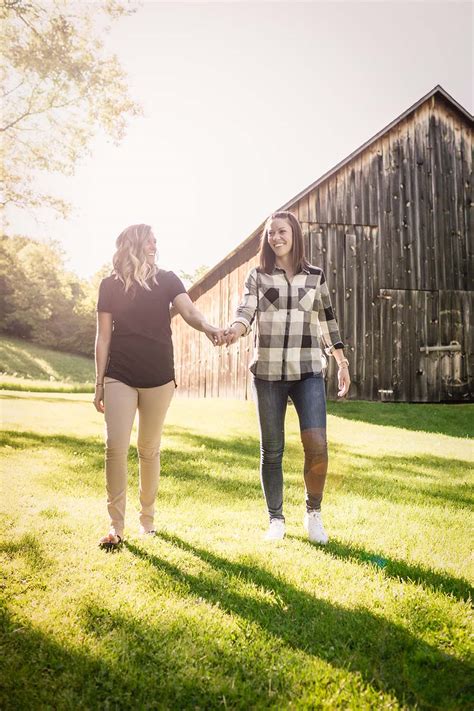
{"x":121,"y":403}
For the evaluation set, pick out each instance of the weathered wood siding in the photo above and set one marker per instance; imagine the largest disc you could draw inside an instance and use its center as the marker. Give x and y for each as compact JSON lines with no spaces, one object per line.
{"x":203,"y":370}
{"x":392,"y":228}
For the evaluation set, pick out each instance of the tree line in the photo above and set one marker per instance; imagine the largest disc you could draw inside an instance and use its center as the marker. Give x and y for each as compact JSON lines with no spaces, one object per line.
{"x":59,"y":87}
{"x":41,"y":301}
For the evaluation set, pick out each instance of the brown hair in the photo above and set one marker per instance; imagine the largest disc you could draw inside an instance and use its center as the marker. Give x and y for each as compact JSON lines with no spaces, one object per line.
{"x":130,"y":262}
{"x":267,"y":255}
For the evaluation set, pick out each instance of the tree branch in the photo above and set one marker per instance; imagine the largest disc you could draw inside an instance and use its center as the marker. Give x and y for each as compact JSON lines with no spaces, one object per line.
{"x":11,"y":91}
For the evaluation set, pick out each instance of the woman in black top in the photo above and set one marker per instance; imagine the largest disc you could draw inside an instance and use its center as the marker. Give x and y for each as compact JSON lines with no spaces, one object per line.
{"x":135,"y":369}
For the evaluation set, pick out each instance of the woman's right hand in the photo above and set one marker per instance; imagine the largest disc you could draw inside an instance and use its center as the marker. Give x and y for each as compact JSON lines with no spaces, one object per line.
{"x":99,"y":398}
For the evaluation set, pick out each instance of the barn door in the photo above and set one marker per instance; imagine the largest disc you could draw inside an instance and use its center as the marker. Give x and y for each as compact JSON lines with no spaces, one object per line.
{"x":361,"y":308}
{"x":424,"y":345}
{"x":456,"y":338}
{"x":349,"y":255}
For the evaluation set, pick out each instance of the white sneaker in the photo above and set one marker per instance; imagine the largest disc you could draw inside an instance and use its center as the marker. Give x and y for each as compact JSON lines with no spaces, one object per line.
{"x":314,"y":525}
{"x":276,"y":530}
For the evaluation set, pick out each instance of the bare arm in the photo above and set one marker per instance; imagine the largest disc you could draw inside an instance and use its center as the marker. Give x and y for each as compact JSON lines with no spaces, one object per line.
{"x":185,"y":307}
{"x":102,"y":348}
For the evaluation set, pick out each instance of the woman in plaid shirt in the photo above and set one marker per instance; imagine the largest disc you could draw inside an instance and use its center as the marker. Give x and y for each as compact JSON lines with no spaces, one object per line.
{"x":289,"y":300}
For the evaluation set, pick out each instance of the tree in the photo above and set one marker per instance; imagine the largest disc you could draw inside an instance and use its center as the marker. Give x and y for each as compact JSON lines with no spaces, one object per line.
{"x":40,"y":300}
{"x":192,"y":277}
{"x":59,"y":87}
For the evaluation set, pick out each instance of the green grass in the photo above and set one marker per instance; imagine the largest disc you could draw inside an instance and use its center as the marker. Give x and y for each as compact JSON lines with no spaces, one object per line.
{"x":206,"y":616}
{"x":27,"y":366}
{"x":455,"y":419}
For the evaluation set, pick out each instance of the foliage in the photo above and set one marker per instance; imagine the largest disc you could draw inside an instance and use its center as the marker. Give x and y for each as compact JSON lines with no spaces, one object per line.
{"x":205,"y":615}
{"x":41,"y":300}
{"x":190,"y":278}
{"x":59,"y":87}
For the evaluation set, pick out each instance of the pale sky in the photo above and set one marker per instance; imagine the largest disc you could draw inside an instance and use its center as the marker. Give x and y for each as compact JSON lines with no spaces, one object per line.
{"x":245,"y":105}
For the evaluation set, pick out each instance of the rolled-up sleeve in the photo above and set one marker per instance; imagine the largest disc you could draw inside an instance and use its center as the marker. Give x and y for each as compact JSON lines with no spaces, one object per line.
{"x":246,"y":310}
{"x":327,"y":320}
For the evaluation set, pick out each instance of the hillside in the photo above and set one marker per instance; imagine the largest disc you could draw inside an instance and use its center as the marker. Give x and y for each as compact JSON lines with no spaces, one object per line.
{"x":25,"y":365}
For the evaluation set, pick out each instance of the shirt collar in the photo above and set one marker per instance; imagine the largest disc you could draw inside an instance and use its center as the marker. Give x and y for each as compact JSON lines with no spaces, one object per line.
{"x":279,"y":269}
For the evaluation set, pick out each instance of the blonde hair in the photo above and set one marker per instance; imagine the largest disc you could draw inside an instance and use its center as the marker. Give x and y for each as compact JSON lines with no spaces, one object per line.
{"x":130,"y":259}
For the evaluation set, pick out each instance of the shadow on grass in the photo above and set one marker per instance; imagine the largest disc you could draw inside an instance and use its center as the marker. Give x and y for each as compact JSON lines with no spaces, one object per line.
{"x":361,"y":473}
{"x":428,"y":578}
{"x":385,"y":654}
{"x":413,"y":479}
{"x":199,"y":469}
{"x":410,"y":479}
{"x":454,"y":420}
{"x":197,"y":664}
{"x":135,"y":667}
{"x":229,"y":467}
{"x":223,"y":448}
{"x":26,"y":547}
{"x":180,"y":664}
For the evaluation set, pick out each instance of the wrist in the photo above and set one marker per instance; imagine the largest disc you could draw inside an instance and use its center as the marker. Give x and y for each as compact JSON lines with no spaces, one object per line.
{"x":343,"y":363}
{"x":238,"y":328}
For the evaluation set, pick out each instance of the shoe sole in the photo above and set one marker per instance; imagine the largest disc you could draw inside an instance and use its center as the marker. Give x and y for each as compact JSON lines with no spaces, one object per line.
{"x":321,"y":543}
{"x":273,"y":539}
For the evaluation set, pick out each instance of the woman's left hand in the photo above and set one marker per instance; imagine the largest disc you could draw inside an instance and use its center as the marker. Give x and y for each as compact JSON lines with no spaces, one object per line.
{"x":343,"y":381}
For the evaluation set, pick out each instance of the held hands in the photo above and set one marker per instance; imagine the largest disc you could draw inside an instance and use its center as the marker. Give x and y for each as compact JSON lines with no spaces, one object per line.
{"x":215,"y":335}
{"x":232,"y":334}
{"x":221,"y":336}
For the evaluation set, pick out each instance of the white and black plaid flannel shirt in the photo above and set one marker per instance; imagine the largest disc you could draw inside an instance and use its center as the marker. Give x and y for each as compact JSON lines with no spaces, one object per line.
{"x":292,"y":319}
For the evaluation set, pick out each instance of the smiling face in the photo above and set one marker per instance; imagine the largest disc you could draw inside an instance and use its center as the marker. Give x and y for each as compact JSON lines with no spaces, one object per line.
{"x":149,"y":247}
{"x":280,"y":237}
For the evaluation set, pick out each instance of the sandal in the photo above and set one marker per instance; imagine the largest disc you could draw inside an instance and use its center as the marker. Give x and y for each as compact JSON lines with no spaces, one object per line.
{"x":151,"y":532}
{"x":109,"y":545}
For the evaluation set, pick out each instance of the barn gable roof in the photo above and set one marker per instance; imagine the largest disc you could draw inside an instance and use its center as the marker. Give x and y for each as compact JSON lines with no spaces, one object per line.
{"x":213,"y":274}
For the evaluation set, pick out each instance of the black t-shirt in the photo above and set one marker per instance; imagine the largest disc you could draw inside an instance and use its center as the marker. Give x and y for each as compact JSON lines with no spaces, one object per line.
{"x":141,"y":350}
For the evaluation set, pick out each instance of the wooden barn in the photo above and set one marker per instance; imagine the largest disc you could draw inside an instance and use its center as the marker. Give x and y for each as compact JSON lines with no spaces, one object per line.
{"x":392,"y":227}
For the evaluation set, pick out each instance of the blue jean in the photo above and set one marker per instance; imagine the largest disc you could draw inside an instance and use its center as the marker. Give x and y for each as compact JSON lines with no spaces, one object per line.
{"x":309,"y":398}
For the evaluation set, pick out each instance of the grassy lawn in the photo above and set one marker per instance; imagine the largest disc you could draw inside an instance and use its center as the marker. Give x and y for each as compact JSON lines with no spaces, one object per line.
{"x":205,"y":615}
{"x":27,"y":366}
